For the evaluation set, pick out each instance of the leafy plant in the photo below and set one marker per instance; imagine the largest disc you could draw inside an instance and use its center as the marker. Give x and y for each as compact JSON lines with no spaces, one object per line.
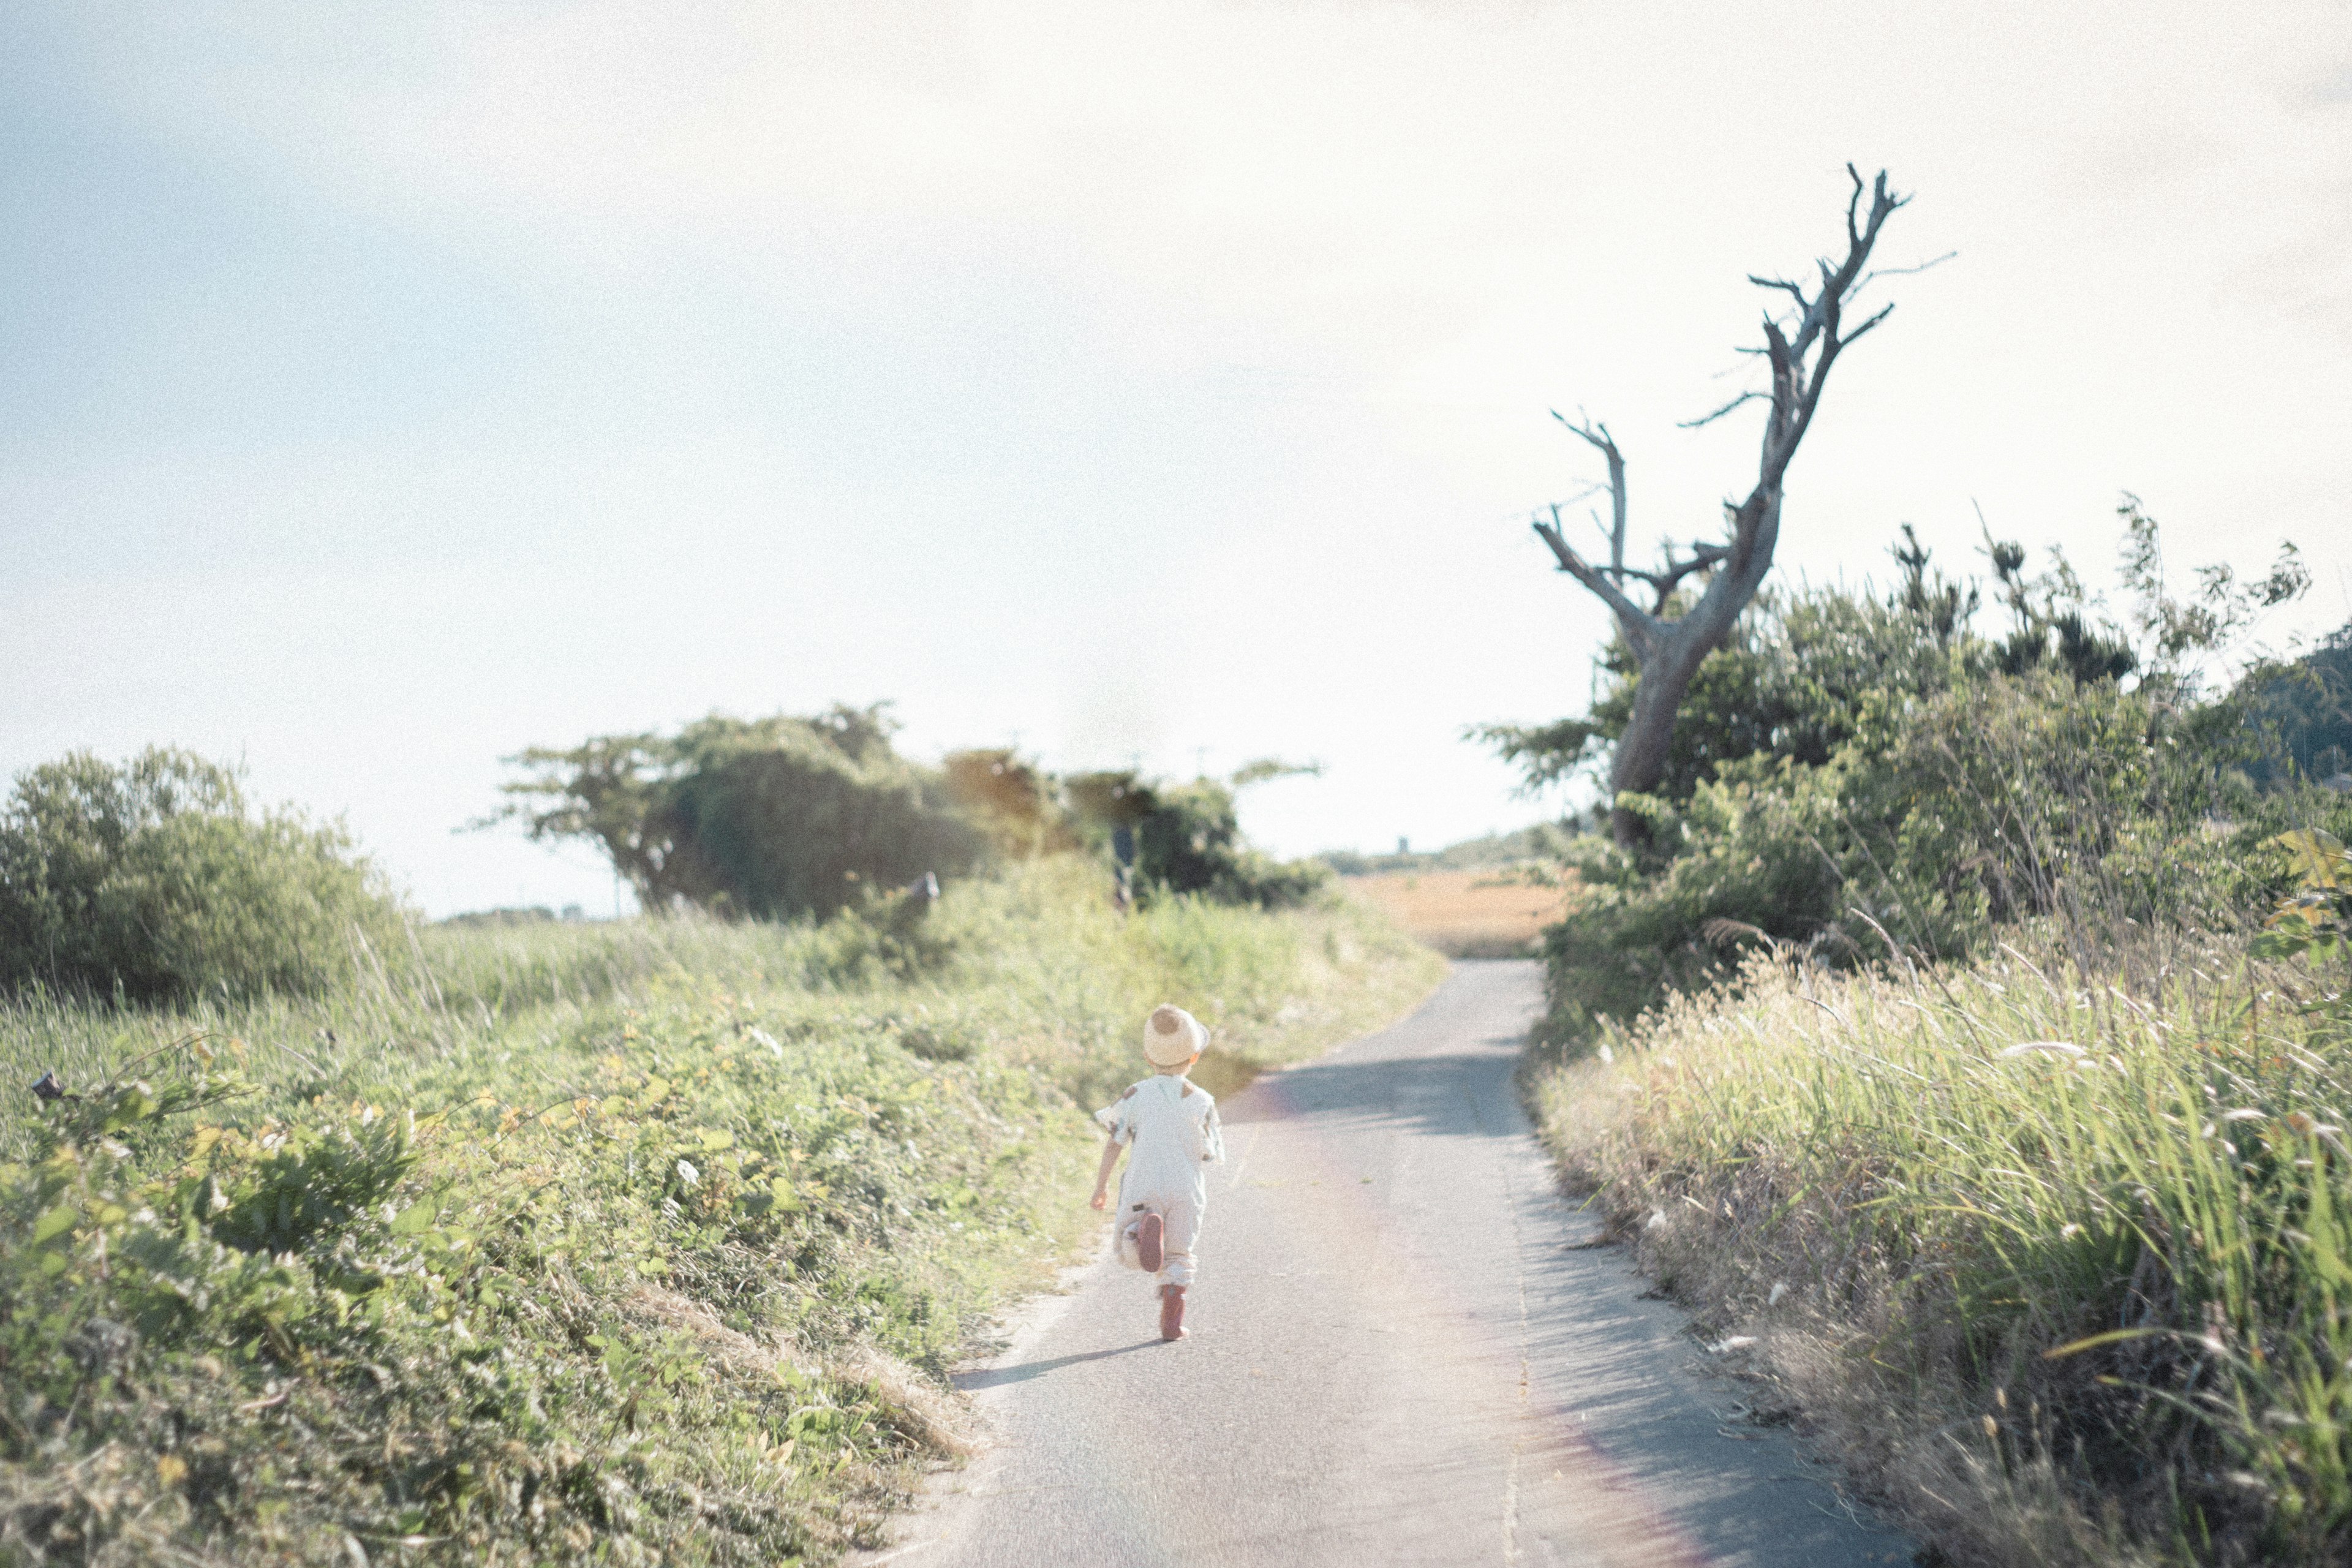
{"x":1188,"y":838}
{"x":769,"y":818}
{"x":624,"y":1242}
{"x":152,"y":879}
{"x":2318,"y":919}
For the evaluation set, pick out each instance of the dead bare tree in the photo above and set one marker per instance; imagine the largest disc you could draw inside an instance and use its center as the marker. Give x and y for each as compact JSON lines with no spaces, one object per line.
{"x":1799,"y":353}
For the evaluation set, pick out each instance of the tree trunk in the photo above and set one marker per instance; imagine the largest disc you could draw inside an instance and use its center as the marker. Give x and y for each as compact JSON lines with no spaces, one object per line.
{"x":1669,"y":652}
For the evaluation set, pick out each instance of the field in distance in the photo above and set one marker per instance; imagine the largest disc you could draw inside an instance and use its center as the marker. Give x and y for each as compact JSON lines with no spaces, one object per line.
{"x":1463,"y":914}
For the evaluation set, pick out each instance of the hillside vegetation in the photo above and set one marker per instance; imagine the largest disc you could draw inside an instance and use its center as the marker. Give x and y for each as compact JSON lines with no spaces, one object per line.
{"x":642,"y":1242}
{"x":1968,"y":1045}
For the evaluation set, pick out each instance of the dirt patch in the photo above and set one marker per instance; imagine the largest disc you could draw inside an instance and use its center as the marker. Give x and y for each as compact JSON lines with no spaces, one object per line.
{"x":1463,"y":914}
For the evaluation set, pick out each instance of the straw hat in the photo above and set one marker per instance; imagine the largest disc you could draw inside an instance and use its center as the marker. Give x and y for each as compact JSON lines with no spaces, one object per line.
{"x":1171,"y":1036}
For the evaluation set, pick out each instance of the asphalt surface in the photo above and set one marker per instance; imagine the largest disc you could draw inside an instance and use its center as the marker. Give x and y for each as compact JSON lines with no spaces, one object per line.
{"x":1400,"y":1354}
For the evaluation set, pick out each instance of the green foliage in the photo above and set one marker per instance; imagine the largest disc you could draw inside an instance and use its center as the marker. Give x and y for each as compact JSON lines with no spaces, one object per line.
{"x":633,"y":1242}
{"x":2066,"y":1234}
{"x":152,"y":880}
{"x":769,"y":818}
{"x":1012,"y":800}
{"x":2318,"y":919}
{"x":1863,"y":779}
{"x":1940,"y":826}
{"x":2062,"y":1251}
{"x":1192,"y":843}
{"x":1797,"y":674}
{"x":1785,"y":686}
{"x":1188,"y":837}
{"x":2306,"y":705}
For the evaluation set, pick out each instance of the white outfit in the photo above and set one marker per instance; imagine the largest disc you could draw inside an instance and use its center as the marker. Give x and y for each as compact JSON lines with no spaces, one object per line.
{"x":1170,"y":1127}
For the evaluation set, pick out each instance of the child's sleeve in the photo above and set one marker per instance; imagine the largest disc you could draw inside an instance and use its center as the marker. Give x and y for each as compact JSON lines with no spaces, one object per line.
{"x":1213,"y":1138}
{"x":1117,"y":1119}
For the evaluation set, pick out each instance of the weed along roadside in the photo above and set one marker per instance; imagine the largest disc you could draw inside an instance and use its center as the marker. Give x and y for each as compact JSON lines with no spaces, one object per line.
{"x":646,"y":1242}
{"x":1967,"y":1048}
{"x":2055,"y":1256}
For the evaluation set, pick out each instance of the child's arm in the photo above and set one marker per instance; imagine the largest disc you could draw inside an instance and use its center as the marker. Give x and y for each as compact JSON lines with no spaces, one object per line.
{"x":1102,"y":1173}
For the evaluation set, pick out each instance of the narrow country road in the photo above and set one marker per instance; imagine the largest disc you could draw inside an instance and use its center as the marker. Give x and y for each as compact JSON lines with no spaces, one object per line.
{"x":1398,"y":1357}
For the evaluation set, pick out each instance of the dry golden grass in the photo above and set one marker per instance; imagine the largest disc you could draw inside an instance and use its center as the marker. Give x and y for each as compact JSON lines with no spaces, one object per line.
{"x":1463,"y":914}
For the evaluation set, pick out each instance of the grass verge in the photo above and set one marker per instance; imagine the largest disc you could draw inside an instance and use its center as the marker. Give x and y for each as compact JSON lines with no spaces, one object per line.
{"x":2057,"y":1255}
{"x":634,"y":1243}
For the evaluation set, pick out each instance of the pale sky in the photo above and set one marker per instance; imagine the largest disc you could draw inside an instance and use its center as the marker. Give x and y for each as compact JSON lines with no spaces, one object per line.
{"x":386,"y":388}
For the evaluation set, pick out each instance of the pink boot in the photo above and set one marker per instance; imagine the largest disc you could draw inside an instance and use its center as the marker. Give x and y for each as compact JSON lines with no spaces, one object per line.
{"x":1151,"y":1243}
{"x":1171,"y":1311}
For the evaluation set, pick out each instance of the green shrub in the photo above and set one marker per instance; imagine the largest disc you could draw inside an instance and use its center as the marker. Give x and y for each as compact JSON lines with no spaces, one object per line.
{"x":644,"y":1241}
{"x":2058,"y":1248}
{"x":153,"y":880}
{"x":1941,"y":825}
{"x":1188,"y":840}
{"x":2308,"y":707}
{"x":769,"y":818}
{"x":1864,"y":778}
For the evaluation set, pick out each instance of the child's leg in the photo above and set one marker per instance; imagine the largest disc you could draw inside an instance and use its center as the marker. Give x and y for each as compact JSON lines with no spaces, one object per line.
{"x":1182,"y":1218}
{"x":1123,"y":1235}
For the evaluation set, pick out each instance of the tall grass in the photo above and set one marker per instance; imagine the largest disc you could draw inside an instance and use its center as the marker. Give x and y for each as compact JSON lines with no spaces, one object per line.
{"x":635,"y":1243}
{"x":2065,"y":1249}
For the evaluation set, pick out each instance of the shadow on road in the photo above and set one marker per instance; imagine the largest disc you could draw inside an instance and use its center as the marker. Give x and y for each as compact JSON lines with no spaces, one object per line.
{"x":1421,"y":1093}
{"x":997,"y":1376}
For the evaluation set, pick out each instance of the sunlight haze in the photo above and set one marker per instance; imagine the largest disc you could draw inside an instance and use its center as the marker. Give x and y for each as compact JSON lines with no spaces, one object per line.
{"x":385,"y":389}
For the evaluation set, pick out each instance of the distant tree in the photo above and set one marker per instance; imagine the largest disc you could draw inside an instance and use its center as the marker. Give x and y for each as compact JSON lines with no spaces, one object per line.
{"x":767,"y":818}
{"x":150,"y":879}
{"x":1015,"y":802}
{"x":2306,"y":707}
{"x":1188,"y":836}
{"x":1667,"y":641}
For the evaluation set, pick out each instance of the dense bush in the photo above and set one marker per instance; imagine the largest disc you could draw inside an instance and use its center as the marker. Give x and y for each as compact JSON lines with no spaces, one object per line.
{"x":151,"y":879}
{"x":769,"y":818}
{"x":632,"y":1242}
{"x":1188,"y":840}
{"x":1857,"y":776}
{"x":2058,"y":1249}
{"x":2040,"y":1205}
{"x":2009,"y":801}
{"x":781,"y":817}
{"x":2306,"y":708}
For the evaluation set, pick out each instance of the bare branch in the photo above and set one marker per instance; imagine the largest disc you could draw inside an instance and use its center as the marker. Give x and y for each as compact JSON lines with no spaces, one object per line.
{"x":1751,"y":396}
{"x":1762,"y":282}
{"x":1881,"y":314}
{"x":1671,"y":577}
{"x":1596,"y":436}
{"x":1799,"y":352}
{"x":1906,"y":271}
{"x":1641,"y":628}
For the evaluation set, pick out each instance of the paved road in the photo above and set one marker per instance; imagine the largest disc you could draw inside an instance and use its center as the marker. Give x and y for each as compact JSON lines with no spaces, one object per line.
{"x":1398,"y":1357}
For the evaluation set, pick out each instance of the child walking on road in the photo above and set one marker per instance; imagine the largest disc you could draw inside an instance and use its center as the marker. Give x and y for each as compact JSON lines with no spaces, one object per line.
{"x":1170,"y":1124}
